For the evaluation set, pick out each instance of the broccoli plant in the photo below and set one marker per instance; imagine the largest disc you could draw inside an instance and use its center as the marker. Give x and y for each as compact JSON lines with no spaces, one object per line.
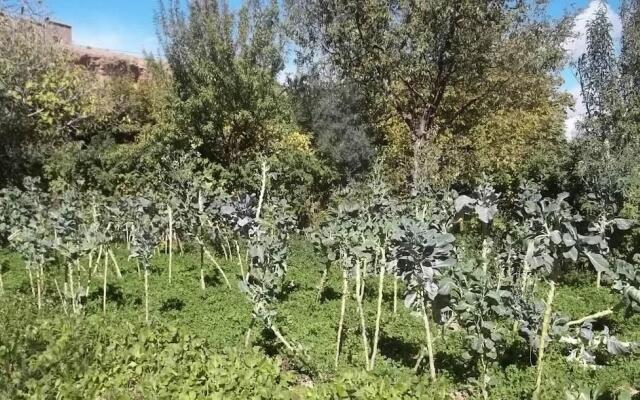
{"x":423,"y":254}
{"x":595,"y":245}
{"x":29,"y":232}
{"x":145,"y":237}
{"x":627,"y":283}
{"x":267,"y":228}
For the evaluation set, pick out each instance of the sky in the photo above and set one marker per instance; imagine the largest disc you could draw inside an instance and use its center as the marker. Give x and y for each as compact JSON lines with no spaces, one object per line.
{"x":128,"y":26}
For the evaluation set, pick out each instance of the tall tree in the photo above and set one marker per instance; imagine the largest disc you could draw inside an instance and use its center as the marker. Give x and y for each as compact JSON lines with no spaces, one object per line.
{"x":630,"y":53}
{"x":224,"y":66}
{"x":598,"y":75}
{"x":428,"y":61}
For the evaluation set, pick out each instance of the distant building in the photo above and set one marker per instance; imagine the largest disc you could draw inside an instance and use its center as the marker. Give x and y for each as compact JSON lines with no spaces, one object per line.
{"x":104,"y":62}
{"x":60,"y":32}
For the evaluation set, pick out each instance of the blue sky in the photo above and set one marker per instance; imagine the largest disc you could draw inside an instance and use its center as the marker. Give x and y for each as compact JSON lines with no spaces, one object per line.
{"x":128,"y":26}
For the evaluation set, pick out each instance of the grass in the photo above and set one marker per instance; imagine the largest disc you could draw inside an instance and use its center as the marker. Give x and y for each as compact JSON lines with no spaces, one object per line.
{"x":221,"y":316}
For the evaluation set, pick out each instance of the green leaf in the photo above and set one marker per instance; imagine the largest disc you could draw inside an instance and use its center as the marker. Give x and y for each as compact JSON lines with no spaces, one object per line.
{"x":598,"y":261}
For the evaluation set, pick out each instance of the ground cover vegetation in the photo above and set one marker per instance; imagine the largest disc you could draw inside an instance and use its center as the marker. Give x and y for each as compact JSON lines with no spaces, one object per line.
{"x":403,"y":218}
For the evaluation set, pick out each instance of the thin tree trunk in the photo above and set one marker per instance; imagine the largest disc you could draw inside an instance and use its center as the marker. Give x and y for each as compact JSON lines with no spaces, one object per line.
{"x":546,"y":320}
{"x":343,"y":306}
{"x":427,"y":328}
{"x":376,"y":336}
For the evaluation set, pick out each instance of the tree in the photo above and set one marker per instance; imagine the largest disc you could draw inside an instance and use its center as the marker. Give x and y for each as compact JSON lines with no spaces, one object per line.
{"x":630,"y":52}
{"x":598,"y":75}
{"x":431,"y":61}
{"x":337,"y":116}
{"x":224,"y":66}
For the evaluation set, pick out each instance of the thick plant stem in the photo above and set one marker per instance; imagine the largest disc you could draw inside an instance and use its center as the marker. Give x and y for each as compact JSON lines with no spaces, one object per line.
{"x":599,"y":280}
{"x":97,"y":261}
{"x":382,"y":271}
{"x":263,"y":187}
{"x":546,"y":320}
{"x":427,"y":328}
{"x":39,"y":288}
{"x":170,"y":212}
{"x":230,"y":252}
{"x":33,"y":289}
{"x":224,"y":251}
{"x":218,"y":267}
{"x":281,"y":337}
{"x":146,"y":294}
{"x":115,"y":263}
{"x":395,"y":295}
{"x":419,"y":360}
{"x":72,"y":290}
{"x":104,"y":286}
{"x":363,"y":325}
{"x":239,"y":260}
{"x":591,"y":317}
{"x":1,"y":281}
{"x":247,"y":336}
{"x":200,"y":212}
{"x":343,"y":306}
{"x":62,"y":299}
{"x":179,"y":243}
{"x":323,"y":280}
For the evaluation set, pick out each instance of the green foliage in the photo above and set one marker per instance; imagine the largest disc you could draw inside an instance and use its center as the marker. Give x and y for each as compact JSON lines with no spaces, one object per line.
{"x":89,"y":358}
{"x":437,"y":66}
{"x":598,"y":76}
{"x":337,"y":116}
{"x":224,"y":67}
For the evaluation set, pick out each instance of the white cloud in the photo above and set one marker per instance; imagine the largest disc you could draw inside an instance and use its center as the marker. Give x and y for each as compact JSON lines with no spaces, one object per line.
{"x":575,"y":46}
{"x":575,"y":114}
